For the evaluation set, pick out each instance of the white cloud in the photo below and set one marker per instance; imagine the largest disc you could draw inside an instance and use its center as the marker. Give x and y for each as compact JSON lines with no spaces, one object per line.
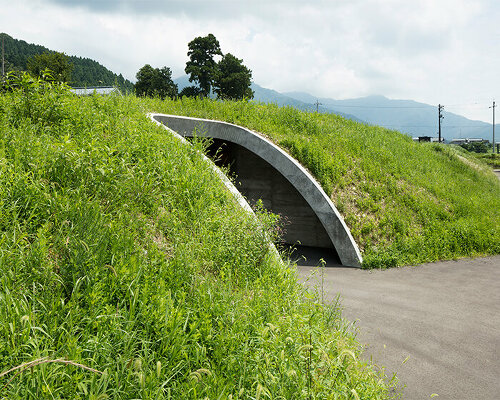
{"x":426,"y":50}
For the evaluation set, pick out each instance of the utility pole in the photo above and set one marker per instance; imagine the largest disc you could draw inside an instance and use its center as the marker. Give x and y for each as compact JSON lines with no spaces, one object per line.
{"x":493,"y":107}
{"x":440,"y":116}
{"x":3,"y":58}
{"x":317,"y":105}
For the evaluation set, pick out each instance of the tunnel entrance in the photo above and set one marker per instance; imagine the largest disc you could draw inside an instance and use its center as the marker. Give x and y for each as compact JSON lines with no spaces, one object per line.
{"x":265,"y":171}
{"x":304,"y":238}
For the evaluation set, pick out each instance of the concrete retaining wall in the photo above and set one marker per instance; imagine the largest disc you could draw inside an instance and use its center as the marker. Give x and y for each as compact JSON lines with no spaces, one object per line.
{"x":267,"y":172}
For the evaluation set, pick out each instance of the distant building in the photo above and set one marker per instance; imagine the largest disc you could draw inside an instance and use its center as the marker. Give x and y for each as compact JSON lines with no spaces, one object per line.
{"x":427,"y":139}
{"x":101,"y":90}
{"x":469,"y":140}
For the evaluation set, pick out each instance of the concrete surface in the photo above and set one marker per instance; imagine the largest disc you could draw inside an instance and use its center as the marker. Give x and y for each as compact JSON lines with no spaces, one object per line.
{"x":256,"y":179}
{"x":437,"y":326}
{"x":242,"y":201}
{"x":227,"y":182}
{"x":329,"y":217}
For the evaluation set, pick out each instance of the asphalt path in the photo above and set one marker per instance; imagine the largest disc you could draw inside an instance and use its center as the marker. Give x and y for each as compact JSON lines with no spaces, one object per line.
{"x":437,"y":326}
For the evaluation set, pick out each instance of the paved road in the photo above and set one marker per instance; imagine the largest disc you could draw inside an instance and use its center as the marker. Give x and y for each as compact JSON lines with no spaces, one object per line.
{"x":437,"y":325}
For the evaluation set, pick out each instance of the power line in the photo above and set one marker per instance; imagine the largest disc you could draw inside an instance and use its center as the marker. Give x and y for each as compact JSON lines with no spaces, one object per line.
{"x":471,"y":105}
{"x":409,"y":126}
{"x":357,"y":106}
{"x":431,"y":126}
{"x":463,"y":105}
{"x":493,"y":107}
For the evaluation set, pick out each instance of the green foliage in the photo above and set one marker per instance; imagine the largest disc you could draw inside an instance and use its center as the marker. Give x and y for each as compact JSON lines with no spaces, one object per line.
{"x":85,"y":72}
{"x":57,"y":63}
{"x":154,"y":82}
{"x":190,"y":91}
{"x":50,"y":96}
{"x":233,"y":79}
{"x":476,"y":147}
{"x":127,"y":270}
{"x":405,"y":202}
{"x":229,"y":78}
{"x":17,"y":52}
{"x":201,"y":66}
{"x":492,"y":159}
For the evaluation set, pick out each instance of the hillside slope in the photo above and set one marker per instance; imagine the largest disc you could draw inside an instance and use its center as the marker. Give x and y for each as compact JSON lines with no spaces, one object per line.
{"x":404,"y":202}
{"x":127,"y":270}
{"x":85,"y":73}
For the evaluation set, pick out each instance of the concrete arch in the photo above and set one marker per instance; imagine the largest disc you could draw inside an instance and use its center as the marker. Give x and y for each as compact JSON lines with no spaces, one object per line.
{"x":252,"y":145}
{"x":227,"y":182}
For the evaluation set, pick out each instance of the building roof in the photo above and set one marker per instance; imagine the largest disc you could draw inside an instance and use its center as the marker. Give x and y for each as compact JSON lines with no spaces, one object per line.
{"x":468,"y":140}
{"x":87,"y":91}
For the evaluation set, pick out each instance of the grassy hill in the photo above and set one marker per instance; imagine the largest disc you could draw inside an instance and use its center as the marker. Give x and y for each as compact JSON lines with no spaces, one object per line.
{"x":404,"y":202}
{"x":86,"y":72}
{"x":128,"y":271}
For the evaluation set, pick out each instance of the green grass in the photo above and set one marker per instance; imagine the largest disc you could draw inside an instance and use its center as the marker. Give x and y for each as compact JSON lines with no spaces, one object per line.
{"x":128,"y":271}
{"x":492,"y":159}
{"x":405,"y":202}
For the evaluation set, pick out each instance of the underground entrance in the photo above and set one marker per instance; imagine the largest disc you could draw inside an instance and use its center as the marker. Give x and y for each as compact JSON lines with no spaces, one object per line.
{"x":304,"y":238}
{"x":312,"y":225}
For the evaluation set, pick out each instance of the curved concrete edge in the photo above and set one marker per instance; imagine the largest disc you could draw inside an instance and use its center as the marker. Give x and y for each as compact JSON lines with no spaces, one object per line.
{"x":296,"y":174}
{"x":229,"y":185}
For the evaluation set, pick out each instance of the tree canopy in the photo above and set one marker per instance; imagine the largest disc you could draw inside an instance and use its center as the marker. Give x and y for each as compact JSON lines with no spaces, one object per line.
{"x":57,"y":63}
{"x":190,"y":91}
{"x":201,"y":65}
{"x":155,"y":82}
{"x":229,"y":78}
{"x":232,"y":79}
{"x":85,"y":72}
{"x":476,"y":147}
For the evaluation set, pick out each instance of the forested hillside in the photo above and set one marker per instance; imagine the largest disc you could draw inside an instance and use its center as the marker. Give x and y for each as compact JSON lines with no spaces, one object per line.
{"x":86,"y":72}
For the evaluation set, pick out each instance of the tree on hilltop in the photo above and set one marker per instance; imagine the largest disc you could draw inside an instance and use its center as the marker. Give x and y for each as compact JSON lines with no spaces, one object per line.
{"x":57,"y":63}
{"x":201,"y":65}
{"x":232,"y":79}
{"x":155,"y":82}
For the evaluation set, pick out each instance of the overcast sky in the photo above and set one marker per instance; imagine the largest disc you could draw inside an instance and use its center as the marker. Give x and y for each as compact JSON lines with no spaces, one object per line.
{"x":433,"y":51}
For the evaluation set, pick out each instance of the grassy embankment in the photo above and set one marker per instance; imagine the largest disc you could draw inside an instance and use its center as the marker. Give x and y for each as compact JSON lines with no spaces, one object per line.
{"x":127,"y":270}
{"x":404,"y":202}
{"x":493,"y":160}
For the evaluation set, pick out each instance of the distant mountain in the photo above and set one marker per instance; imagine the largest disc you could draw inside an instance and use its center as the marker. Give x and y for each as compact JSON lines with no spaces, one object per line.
{"x":86,"y":72}
{"x":182,"y":82}
{"x":407,"y":116}
{"x":272,"y":96}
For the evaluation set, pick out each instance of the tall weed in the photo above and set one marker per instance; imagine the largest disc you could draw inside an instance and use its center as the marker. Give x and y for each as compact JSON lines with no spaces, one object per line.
{"x":128,"y":270}
{"x":404,"y":202}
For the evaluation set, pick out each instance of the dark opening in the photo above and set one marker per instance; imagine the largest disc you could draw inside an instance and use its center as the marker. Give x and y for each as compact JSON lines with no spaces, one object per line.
{"x":305,"y":239}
